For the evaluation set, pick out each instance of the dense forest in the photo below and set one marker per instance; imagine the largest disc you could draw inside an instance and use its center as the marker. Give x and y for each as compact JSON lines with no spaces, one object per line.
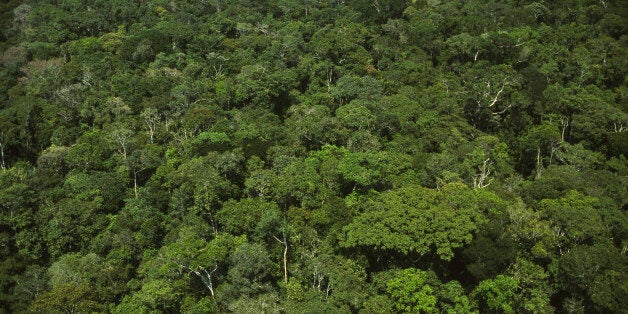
{"x":313,"y":156}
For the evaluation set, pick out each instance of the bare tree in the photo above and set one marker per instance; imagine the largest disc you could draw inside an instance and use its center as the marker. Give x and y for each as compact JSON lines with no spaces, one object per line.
{"x":202,"y":273}
{"x":480,"y":180}
{"x":284,"y":242}
{"x":123,"y":138}
{"x":2,"y":164}
{"x":151,"y":118}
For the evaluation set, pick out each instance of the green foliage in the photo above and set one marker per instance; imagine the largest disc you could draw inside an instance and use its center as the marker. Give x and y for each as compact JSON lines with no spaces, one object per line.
{"x":66,"y":298}
{"x":191,"y":250}
{"x":254,"y":217}
{"x":417,"y":220}
{"x":498,"y":294}
{"x":208,"y":141}
{"x":453,"y":299}
{"x":590,"y":272}
{"x":250,"y":271}
{"x":88,"y":153}
{"x":416,"y":291}
{"x":313,"y":156}
{"x":410,"y":292}
{"x":535,"y":291}
{"x":205,"y":305}
{"x":577,"y":217}
{"x":70,"y":224}
{"x":155,"y":296}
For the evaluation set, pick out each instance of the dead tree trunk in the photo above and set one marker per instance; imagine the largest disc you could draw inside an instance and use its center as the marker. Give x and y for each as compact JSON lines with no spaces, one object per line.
{"x":284,"y":242}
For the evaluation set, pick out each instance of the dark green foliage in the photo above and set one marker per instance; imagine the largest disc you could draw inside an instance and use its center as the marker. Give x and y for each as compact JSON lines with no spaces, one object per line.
{"x":313,"y":156}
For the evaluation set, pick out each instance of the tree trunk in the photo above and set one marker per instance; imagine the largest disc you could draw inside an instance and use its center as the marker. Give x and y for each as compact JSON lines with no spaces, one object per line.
{"x":539,"y":163}
{"x":152,"y":134}
{"x":285,"y":257}
{"x":2,"y":164}
{"x":285,"y":261}
{"x":135,"y":182}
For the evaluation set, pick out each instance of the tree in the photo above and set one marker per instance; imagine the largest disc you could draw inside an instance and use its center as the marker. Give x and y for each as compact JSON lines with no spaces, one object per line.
{"x":576,"y":219}
{"x":355,"y":116}
{"x":337,"y":156}
{"x":193,"y":255}
{"x":491,"y":93}
{"x":250,"y":271}
{"x":67,"y":298}
{"x":541,"y":142}
{"x":104,"y":279}
{"x":297,"y":183}
{"x":122,"y":139}
{"x":452,"y":298}
{"x":29,"y":285}
{"x":342,"y":44}
{"x":415,"y":220}
{"x":529,"y":230}
{"x":534,"y":287}
{"x":88,"y":153}
{"x":411,"y":293}
{"x":589,"y":274}
{"x":6,"y":136}
{"x":311,"y":125}
{"x":259,"y":181}
{"x":70,"y":224}
{"x":148,"y":158}
{"x":498,"y":294}
{"x":251,"y":216}
{"x":155,"y":295}
{"x":200,"y":188}
{"x":151,"y":119}
{"x":491,"y":159}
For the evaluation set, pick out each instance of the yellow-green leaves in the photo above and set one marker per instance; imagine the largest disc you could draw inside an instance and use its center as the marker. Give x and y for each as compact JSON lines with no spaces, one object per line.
{"x":411,"y":293}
